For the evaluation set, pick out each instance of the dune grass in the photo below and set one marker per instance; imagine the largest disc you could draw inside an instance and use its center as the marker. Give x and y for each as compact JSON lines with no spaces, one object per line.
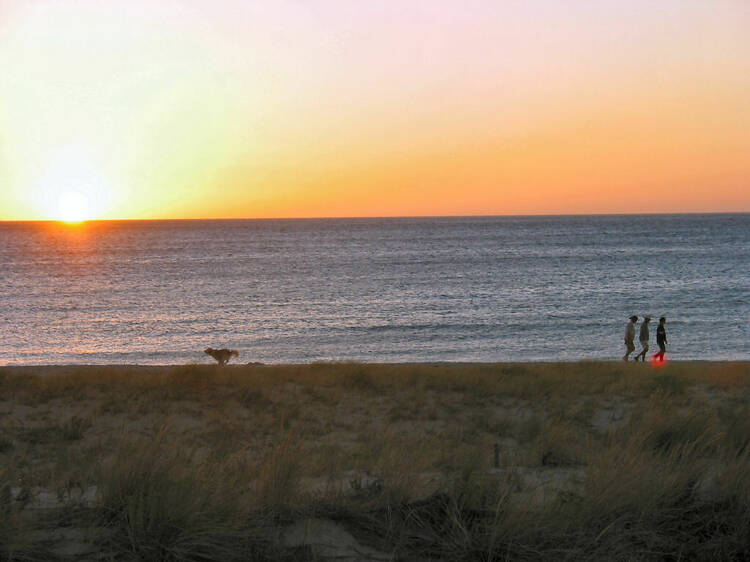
{"x":207,"y":463}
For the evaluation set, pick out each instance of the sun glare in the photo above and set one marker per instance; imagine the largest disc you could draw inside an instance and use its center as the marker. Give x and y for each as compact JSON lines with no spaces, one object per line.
{"x":73,"y":206}
{"x":72,"y":186}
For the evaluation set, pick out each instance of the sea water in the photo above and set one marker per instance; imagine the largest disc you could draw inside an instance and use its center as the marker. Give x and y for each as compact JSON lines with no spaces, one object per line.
{"x":375,"y":290}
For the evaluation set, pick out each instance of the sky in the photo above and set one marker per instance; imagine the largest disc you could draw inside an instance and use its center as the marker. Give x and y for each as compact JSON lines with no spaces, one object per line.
{"x":223,"y":109}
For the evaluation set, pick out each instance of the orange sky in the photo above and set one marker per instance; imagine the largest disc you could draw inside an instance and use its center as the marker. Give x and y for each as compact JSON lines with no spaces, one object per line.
{"x":221,"y":109}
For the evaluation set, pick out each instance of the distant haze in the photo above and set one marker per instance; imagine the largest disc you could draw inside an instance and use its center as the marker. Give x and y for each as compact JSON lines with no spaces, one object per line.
{"x":198,"y":109}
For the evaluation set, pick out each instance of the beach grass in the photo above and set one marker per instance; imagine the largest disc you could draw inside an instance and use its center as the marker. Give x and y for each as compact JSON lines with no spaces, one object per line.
{"x":573,"y":461}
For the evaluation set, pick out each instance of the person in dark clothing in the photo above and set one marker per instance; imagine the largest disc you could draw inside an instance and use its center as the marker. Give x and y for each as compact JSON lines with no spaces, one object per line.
{"x":661,"y":339}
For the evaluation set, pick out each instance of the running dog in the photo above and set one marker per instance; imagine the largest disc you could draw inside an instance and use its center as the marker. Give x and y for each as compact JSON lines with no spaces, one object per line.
{"x":222,"y":355}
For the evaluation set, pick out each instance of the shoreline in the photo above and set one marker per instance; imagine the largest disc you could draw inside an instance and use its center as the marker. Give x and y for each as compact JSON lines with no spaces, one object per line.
{"x":62,"y":369}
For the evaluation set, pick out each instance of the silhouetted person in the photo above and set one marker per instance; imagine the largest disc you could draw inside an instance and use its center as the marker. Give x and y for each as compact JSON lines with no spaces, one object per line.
{"x":629,"y":337}
{"x":643,"y":337}
{"x":661,"y":339}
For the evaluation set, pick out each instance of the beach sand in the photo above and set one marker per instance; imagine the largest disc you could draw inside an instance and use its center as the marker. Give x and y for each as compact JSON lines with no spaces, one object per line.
{"x":375,"y":462}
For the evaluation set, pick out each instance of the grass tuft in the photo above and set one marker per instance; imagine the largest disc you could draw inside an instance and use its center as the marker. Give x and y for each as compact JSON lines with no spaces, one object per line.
{"x":596,"y":460}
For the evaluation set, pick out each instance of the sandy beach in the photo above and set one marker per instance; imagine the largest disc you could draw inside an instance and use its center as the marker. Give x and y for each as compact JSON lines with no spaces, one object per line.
{"x":375,"y":462}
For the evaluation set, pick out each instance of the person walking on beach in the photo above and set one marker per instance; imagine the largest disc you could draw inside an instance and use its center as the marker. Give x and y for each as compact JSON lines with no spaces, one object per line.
{"x":643,"y":337}
{"x":661,"y":339}
{"x":629,"y":337}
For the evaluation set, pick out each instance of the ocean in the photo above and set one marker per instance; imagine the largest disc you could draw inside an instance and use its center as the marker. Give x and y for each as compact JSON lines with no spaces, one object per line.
{"x":477,"y":289}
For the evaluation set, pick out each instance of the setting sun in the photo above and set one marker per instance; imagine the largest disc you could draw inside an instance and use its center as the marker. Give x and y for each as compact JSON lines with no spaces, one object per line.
{"x":71,"y":184}
{"x":73,"y":206}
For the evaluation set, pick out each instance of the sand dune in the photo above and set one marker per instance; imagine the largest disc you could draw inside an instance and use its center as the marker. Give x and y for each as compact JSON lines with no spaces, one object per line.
{"x":525,"y":458}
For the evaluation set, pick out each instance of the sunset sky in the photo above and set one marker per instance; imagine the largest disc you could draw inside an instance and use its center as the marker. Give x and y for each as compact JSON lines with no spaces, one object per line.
{"x":130,"y":109}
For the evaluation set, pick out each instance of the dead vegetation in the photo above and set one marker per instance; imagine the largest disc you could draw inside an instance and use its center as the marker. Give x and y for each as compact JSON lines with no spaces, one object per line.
{"x":201,"y":463}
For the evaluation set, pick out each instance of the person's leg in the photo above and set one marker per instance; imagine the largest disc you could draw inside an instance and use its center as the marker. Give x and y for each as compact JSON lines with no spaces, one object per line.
{"x":629,"y":348}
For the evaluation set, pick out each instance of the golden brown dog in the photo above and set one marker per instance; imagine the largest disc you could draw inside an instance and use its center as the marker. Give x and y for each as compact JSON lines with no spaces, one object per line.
{"x":222,"y":355}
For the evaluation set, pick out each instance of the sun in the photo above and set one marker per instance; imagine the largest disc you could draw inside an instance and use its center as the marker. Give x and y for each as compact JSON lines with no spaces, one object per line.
{"x":73,"y":206}
{"x":72,"y":185}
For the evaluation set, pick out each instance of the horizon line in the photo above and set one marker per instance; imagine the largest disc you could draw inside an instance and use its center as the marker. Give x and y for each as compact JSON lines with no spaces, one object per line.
{"x":364,"y":217}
